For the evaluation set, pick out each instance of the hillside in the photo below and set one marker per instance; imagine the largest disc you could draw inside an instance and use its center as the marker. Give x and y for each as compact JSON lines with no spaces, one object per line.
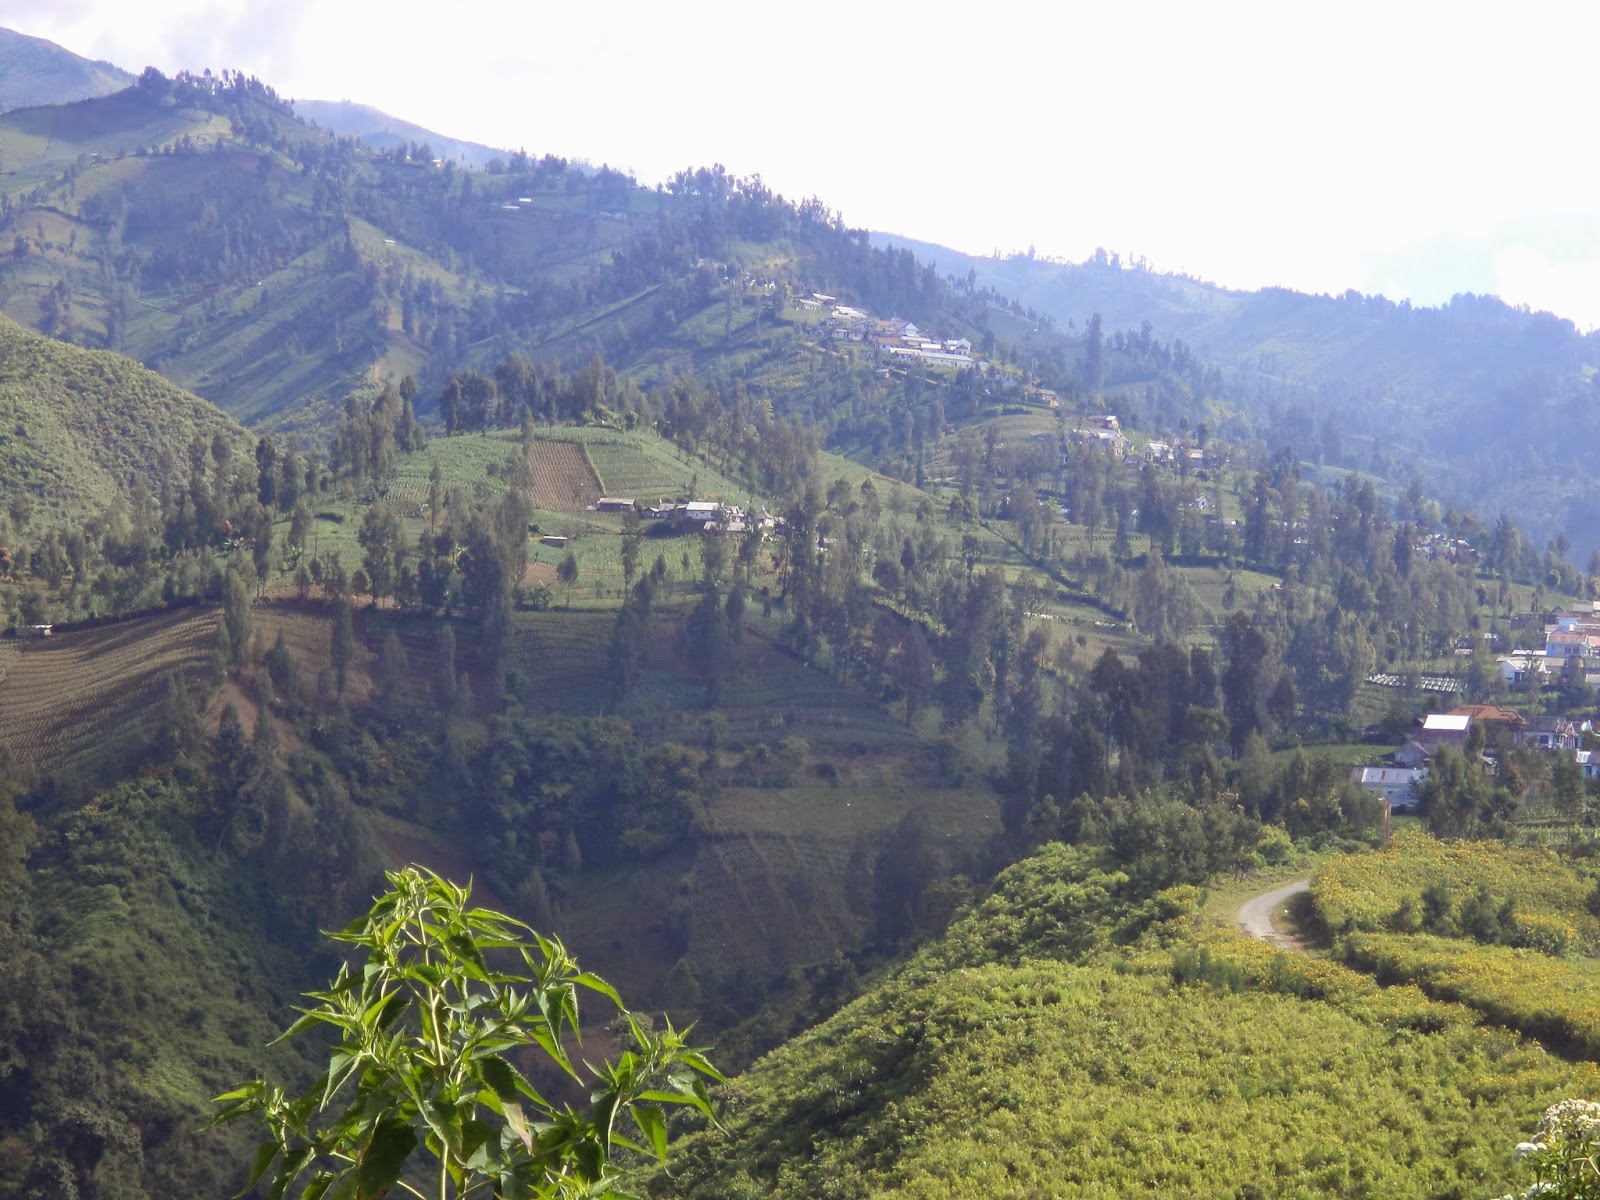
{"x":1074,"y":1036}
{"x":34,"y":72}
{"x":82,"y":428}
{"x":382,"y":132}
{"x":275,"y":268}
{"x":1466,"y":397}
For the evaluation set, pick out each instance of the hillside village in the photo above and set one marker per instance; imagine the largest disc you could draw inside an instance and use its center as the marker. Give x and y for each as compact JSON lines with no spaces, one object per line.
{"x":896,"y":337}
{"x":1570,"y":653}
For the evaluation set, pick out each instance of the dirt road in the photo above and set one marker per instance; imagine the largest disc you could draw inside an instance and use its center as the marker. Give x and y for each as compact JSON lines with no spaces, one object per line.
{"x":1255,"y":916}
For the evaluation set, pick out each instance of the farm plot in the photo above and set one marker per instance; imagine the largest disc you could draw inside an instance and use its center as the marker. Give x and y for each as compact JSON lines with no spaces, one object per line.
{"x":69,"y":700}
{"x":563,"y":480}
{"x":626,"y":470}
{"x":763,"y":903}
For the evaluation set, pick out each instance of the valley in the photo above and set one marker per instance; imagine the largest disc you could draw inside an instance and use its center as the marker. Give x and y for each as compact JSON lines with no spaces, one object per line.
{"x":898,"y":674}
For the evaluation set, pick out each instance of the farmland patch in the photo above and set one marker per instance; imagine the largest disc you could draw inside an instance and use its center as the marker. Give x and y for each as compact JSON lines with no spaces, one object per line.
{"x":563,"y":480}
{"x":93,"y":695}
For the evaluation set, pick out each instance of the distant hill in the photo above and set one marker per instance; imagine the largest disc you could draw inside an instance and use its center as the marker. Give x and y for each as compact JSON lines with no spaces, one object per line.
{"x":199,"y":225}
{"x":80,"y":427}
{"x":34,"y":71}
{"x":1483,"y":403}
{"x":380,"y":131}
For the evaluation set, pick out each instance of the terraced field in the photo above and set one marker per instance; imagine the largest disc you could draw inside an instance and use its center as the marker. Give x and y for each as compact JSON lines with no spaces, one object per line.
{"x":563,"y":480}
{"x":66,"y":699}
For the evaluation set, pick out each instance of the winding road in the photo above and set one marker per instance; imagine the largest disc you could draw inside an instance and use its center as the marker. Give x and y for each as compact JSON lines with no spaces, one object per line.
{"x":1255,"y":916}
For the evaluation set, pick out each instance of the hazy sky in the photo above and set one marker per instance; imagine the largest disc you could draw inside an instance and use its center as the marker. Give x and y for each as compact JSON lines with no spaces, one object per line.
{"x":1417,"y":149}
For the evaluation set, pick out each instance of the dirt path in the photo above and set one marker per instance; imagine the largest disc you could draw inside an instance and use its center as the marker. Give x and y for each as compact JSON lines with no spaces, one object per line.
{"x":1255,"y":917}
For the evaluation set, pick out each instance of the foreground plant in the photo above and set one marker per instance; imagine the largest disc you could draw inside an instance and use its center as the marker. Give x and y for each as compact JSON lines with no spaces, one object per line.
{"x":1564,"y":1154}
{"x":428,"y":1033}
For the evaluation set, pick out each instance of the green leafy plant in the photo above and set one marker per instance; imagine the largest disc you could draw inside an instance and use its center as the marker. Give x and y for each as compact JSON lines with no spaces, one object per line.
{"x":429,"y":1029}
{"x":1564,"y":1154}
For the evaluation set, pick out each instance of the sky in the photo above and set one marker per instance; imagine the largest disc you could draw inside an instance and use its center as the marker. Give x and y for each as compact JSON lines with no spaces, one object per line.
{"x":1411,"y":149}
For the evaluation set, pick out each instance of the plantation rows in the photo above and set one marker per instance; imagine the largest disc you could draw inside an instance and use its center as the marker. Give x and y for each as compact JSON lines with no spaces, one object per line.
{"x":761,"y":903}
{"x":68,"y":695}
{"x":625,"y":470}
{"x":563,"y":481}
{"x":1047,"y":1079}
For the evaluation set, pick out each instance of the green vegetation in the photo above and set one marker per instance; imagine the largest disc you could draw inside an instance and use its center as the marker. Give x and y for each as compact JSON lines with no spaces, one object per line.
{"x":1509,"y":932}
{"x":1047,"y":1044}
{"x":427,"y":1033}
{"x":741,"y":769}
{"x":79,"y":428}
{"x":1394,"y":888}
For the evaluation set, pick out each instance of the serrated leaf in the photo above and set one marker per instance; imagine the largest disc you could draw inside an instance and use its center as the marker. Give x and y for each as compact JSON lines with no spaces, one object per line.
{"x":698,"y":1061}
{"x":293,"y":1163}
{"x":383,"y":1158}
{"x":553,"y":1048}
{"x":476,"y":1137}
{"x":595,"y":984}
{"x":265,"y":1153}
{"x":307,"y":1021}
{"x":501,"y":1076}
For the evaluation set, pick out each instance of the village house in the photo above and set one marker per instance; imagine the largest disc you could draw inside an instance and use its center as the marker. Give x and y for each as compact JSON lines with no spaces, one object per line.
{"x":1493,"y":718}
{"x":613,"y":504}
{"x":1548,"y":733}
{"x":1561,"y":644}
{"x":1397,"y":786}
{"x":1110,"y":440}
{"x":1435,"y":732}
{"x":1516,"y":666}
{"x":1577,"y":620}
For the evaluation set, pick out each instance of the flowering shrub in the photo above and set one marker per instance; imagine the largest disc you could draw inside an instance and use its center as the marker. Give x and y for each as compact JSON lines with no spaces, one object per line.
{"x":1390,"y":890}
{"x":1564,"y":1154}
{"x":1553,"y":999}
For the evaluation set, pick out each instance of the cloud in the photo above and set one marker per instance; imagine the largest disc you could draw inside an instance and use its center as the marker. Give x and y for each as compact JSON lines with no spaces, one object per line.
{"x":1368,"y":145}
{"x":1526,"y":276}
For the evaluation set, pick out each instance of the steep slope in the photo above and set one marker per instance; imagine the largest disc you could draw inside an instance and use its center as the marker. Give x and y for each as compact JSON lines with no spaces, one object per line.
{"x":380,"y":131}
{"x":34,"y":71}
{"x":80,"y":427}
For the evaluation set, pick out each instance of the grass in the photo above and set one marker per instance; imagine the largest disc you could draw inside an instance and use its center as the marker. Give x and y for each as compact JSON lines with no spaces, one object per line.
{"x":1344,"y":753}
{"x":77,"y":425}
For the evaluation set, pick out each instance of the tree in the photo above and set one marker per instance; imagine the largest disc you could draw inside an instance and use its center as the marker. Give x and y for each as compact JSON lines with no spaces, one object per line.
{"x":630,"y":546}
{"x":567,"y":573}
{"x":420,"y":1094}
{"x":383,"y":543}
{"x":342,"y":643}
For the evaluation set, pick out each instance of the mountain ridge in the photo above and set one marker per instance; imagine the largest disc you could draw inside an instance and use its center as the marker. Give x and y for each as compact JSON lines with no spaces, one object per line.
{"x":34,"y":71}
{"x":383,"y":131}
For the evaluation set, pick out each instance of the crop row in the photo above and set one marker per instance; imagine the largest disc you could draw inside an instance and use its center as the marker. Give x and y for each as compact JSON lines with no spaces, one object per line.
{"x":563,"y":481}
